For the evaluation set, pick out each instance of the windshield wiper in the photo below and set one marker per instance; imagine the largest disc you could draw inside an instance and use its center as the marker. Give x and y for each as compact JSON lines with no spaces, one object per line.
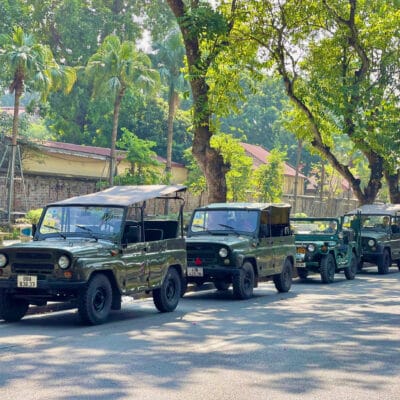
{"x":56,"y":230}
{"x":231,"y":228}
{"x":203,"y":227}
{"x":85,"y":228}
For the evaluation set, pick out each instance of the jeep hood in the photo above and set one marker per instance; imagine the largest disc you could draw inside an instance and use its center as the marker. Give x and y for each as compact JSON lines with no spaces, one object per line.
{"x":314,"y":238}
{"x":228,"y":240}
{"x":374,"y":235}
{"x":75,"y":247}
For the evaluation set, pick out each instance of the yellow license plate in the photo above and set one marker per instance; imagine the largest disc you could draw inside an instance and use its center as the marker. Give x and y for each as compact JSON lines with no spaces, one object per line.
{"x":27,"y":281}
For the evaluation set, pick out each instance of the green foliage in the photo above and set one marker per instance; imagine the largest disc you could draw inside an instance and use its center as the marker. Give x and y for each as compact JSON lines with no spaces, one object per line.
{"x":343,"y":81}
{"x":143,"y":161}
{"x":118,"y":66}
{"x":31,"y":66}
{"x":196,"y":181}
{"x":268,"y":178}
{"x":6,"y":124}
{"x":33,"y":216}
{"x":203,"y":22}
{"x":238,"y":178}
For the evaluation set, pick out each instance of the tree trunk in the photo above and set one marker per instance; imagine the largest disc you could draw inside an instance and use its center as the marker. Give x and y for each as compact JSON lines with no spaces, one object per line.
{"x":18,"y":89}
{"x":296,"y":177}
{"x":210,"y":161}
{"x":113,"y":163}
{"x":393,"y":182}
{"x":173,"y":102}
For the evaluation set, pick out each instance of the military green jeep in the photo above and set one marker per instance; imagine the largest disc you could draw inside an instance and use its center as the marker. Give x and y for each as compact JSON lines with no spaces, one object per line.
{"x":325,"y":247}
{"x":241,"y":244}
{"x":91,"y":250}
{"x":380,"y":234}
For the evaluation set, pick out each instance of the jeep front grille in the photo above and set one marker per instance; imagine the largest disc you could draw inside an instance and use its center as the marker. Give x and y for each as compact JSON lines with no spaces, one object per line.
{"x":31,"y":268}
{"x":33,"y":256}
{"x":32,"y":262}
{"x":204,"y":253}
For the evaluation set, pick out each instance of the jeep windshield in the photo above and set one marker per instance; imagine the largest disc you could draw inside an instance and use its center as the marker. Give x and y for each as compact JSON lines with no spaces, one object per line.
{"x":97,"y":222}
{"x":372,"y":222}
{"x":224,"y":221}
{"x":314,"y":226}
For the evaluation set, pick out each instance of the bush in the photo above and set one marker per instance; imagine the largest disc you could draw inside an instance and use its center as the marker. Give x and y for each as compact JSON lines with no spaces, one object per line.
{"x":32,"y":216}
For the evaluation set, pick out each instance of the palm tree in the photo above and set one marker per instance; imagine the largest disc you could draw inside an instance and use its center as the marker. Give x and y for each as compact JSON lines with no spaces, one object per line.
{"x":115,"y":68}
{"x":30,"y":67}
{"x":169,"y":56}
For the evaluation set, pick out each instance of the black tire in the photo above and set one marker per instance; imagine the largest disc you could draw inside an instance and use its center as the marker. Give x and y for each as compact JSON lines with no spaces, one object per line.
{"x":166,"y":298}
{"x":184,"y":286}
{"x":302,"y":273}
{"x":243,"y":283}
{"x":327,"y":269}
{"x":384,"y":263}
{"x":221,"y":285}
{"x":12,"y":309}
{"x":398,"y":264}
{"x":94,"y":302}
{"x":351,"y":271}
{"x":283,"y":281}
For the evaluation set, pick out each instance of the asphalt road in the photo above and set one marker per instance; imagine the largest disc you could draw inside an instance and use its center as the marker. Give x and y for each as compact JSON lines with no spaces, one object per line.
{"x":338,"y":341}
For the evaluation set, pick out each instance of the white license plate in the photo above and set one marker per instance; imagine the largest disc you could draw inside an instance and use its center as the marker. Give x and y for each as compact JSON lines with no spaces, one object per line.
{"x":301,"y":265}
{"x":195,"y":271}
{"x":27,"y":281}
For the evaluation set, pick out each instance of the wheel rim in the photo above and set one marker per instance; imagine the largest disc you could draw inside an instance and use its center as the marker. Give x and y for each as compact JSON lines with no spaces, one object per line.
{"x":248,"y":281}
{"x":170,"y":290}
{"x":99,"y":299}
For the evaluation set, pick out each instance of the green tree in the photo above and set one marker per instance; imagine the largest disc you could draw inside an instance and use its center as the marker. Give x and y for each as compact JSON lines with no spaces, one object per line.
{"x":343,"y":81}
{"x":115,"y":68}
{"x":144,"y":165}
{"x":169,"y":60}
{"x":212,"y":74}
{"x":196,"y":181}
{"x":30,"y":67}
{"x":238,"y":178}
{"x":268,"y":178}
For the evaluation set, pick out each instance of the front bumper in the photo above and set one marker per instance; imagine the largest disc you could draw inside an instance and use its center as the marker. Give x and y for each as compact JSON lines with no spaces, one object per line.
{"x":210,"y":273}
{"x":43,"y":287}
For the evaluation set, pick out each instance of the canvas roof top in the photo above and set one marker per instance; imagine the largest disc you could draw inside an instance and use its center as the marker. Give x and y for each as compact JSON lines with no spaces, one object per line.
{"x":248,"y":206}
{"x":377,"y":209}
{"x":123,"y":195}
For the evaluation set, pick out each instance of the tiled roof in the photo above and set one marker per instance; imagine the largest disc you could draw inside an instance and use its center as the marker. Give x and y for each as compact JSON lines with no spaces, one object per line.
{"x":259,"y":155}
{"x":91,"y":150}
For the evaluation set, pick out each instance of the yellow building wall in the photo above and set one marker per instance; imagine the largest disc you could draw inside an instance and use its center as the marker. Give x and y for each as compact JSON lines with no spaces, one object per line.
{"x":80,"y":166}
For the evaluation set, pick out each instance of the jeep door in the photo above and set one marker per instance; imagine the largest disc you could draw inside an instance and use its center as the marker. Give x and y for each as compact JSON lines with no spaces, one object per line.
{"x":395,"y":238}
{"x":134,"y":258}
{"x":282,"y":246}
{"x":264,"y":250}
{"x":265,"y":256}
{"x":156,"y":253}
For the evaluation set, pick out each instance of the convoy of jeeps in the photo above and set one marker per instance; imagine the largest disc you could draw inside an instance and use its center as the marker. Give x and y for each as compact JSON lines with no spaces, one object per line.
{"x":94,"y":249}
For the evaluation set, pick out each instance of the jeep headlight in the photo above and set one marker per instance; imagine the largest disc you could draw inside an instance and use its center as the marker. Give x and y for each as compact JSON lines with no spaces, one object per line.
{"x":311,"y":248}
{"x":371,"y":242}
{"x":3,"y":260}
{"x":223,"y":252}
{"x":64,"y":262}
